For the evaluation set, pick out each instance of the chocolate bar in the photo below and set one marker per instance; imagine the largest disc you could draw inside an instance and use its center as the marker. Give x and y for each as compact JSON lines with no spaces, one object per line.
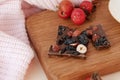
{"x":73,"y":43}
{"x":70,"y":42}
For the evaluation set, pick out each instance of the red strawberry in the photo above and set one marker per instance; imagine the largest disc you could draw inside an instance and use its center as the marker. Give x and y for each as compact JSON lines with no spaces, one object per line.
{"x":78,"y":16}
{"x":65,"y":9}
{"x":86,"y":5}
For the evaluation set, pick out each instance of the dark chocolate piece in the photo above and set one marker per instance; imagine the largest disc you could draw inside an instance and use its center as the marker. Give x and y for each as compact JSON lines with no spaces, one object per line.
{"x":95,"y":76}
{"x":68,"y":43}
{"x":99,"y":38}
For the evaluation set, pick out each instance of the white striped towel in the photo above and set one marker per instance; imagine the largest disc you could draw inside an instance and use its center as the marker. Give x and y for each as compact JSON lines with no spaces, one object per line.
{"x":15,"y":51}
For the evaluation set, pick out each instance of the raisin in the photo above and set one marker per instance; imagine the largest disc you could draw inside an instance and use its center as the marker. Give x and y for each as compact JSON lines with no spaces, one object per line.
{"x":88,"y":33}
{"x":61,"y":30}
{"x":96,"y":43}
{"x":104,"y":42}
{"x":83,"y":39}
{"x":62,"y":51}
{"x":70,"y":48}
{"x":101,"y":41}
{"x":69,"y":41}
{"x":60,"y":42}
{"x":65,"y":37}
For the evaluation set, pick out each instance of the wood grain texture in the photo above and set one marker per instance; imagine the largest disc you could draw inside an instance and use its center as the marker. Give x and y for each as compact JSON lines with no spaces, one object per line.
{"x":42,"y":29}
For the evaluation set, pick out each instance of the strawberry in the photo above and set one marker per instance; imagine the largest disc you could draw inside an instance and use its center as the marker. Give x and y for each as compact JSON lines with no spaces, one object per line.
{"x":65,"y":9}
{"x":86,"y":5}
{"x":78,"y":16}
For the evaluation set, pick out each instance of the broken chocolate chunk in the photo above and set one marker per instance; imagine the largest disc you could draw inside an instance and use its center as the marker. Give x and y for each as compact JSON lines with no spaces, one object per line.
{"x":95,"y":76}
{"x":99,"y":38}
{"x":67,"y":40}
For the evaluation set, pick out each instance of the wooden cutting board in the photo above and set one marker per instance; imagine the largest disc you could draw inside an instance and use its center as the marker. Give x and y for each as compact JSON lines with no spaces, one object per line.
{"x":42,"y":29}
